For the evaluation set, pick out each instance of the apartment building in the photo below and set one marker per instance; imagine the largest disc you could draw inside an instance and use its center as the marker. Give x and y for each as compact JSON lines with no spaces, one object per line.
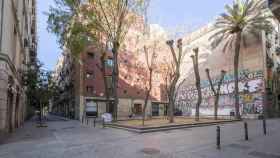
{"x":18,"y":44}
{"x":274,"y":48}
{"x":89,"y":88}
{"x":63,"y":103}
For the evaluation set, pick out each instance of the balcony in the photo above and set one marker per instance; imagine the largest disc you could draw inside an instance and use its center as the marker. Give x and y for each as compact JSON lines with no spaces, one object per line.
{"x":274,"y":5}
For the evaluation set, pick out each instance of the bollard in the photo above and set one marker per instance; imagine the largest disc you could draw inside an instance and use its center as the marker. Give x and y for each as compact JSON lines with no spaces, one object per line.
{"x":218,"y":137}
{"x":103,"y":123}
{"x":94,"y":121}
{"x":246,"y":130}
{"x":264,"y":126}
{"x":87,"y":120}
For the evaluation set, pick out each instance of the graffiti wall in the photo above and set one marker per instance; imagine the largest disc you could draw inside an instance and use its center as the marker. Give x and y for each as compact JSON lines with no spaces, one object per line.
{"x":251,"y":85}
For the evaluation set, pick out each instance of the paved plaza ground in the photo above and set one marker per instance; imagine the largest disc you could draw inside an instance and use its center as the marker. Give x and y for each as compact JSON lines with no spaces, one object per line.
{"x":70,"y":139}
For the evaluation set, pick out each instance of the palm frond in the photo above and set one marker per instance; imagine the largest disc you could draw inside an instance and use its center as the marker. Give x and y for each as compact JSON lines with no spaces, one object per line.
{"x":245,"y":16}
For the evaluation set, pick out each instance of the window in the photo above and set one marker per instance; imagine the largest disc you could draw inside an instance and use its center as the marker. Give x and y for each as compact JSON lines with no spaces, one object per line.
{"x":90,"y":89}
{"x":89,"y":75}
{"x":109,"y":63}
{"x":90,"y":55}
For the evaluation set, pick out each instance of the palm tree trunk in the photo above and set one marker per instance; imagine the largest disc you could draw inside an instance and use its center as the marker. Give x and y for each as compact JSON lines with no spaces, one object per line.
{"x":236,"y":77}
{"x":216,"y":106}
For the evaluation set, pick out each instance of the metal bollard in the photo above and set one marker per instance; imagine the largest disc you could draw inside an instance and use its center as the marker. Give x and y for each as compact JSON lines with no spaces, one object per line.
{"x":264,"y":126}
{"x":218,"y":137}
{"x":103,"y":123}
{"x":94,"y":121}
{"x":246,"y":130}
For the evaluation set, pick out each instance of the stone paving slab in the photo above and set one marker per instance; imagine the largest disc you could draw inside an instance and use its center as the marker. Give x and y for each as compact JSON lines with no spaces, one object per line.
{"x":70,"y":139}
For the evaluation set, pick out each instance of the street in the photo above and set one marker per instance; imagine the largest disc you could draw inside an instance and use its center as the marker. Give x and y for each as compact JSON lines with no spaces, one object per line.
{"x":70,"y":139}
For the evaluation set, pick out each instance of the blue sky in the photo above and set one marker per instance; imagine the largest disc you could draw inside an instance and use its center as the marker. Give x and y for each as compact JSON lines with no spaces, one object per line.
{"x":190,"y":14}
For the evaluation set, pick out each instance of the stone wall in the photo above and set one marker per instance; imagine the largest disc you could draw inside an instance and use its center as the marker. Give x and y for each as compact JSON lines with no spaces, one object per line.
{"x":12,"y":107}
{"x":3,"y":96}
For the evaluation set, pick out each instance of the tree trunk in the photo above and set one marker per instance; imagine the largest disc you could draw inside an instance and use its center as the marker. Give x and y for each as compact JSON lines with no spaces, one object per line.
{"x":171,"y":111}
{"x":197,"y":83}
{"x":236,"y":77}
{"x":198,"y":103}
{"x":115,"y":78}
{"x":106,"y":90}
{"x":172,"y":97}
{"x":147,"y":96}
{"x":145,"y":106}
{"x":216,"y":92}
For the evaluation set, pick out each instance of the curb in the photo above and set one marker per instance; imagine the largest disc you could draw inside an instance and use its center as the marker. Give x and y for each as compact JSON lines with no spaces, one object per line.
{"x":141,"y":130}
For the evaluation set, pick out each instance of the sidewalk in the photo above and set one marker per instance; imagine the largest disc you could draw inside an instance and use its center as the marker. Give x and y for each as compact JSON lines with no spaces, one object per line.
{"x":71,"y":139}
{"x":259,"y":146}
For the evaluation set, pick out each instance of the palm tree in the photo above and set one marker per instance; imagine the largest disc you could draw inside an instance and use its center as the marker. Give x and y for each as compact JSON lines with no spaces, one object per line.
{"x":231,"y":28}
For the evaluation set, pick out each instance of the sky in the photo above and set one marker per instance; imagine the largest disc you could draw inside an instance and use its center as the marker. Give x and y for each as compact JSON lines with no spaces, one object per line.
{"x":172,"y":15}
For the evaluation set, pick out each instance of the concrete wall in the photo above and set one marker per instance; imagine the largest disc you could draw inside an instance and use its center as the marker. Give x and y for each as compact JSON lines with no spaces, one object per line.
{"x":251,"y":84}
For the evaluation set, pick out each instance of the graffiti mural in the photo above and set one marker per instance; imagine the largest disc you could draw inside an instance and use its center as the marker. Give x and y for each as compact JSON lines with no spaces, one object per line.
{"x":250,"y":87}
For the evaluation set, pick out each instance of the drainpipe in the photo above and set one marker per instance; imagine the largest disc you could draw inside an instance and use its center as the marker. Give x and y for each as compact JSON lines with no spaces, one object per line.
{"x":1,"y":28}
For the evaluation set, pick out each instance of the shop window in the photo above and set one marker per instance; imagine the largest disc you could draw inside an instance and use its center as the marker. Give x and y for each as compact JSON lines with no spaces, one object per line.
{"x":91,"y":108}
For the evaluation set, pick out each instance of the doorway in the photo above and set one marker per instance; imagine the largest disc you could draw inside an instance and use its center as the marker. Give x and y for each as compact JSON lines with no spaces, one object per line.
{"x":17,"y":112}
{"x":155,"y":109}
{"x":137,"y":109}
{"x":111,"y":107}
{"x":9,"y":111}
